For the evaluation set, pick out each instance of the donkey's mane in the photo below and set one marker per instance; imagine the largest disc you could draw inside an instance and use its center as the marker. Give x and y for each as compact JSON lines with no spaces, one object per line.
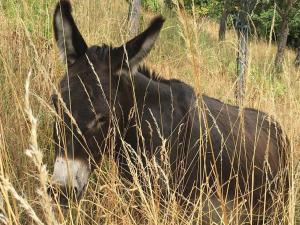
{"x":150,"y":74}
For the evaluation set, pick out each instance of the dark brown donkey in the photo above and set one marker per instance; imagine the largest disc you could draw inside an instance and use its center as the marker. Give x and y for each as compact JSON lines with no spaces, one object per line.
{"x":108,"y":103}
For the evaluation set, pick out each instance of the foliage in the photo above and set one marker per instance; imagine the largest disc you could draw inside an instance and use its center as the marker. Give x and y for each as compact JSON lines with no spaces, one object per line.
{"x":263,"y":17}
{"x":153,"y":5}
{"x":205,"y":8}
{"x":294,"y":25}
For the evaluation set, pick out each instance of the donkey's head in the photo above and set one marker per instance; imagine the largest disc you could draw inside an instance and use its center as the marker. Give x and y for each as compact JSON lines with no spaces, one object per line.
{"x":87,"y":93}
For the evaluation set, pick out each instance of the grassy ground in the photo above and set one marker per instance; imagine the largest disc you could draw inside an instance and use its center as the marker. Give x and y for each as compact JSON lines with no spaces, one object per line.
{"x":188,"y":49}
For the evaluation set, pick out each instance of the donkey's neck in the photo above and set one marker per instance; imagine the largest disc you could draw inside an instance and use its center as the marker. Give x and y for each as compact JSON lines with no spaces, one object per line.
{"x":152,"y":101}
{"x":144,"y":93}
{"x":148,"y":91}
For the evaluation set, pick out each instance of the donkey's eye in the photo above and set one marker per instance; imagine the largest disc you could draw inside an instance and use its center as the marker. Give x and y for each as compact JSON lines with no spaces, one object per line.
{"x":102,"y":119}
{"x":96,"y":123}
{"x":102,"y":51}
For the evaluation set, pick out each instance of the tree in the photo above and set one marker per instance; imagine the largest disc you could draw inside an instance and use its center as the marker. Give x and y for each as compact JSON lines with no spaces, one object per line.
{"x":229,"y":6}
{"x":223,"y":21}
{"x":283,"y":8}
{"x":134,"y":17}
{"x":284,"y":21}
{"x":242,"y":27}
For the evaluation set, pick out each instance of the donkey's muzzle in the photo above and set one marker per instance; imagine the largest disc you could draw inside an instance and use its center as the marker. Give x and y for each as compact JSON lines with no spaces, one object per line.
{"x":69,"y":179}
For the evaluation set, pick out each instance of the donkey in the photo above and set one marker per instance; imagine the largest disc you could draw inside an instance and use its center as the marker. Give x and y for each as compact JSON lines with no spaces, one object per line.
{"x":108,"y":103}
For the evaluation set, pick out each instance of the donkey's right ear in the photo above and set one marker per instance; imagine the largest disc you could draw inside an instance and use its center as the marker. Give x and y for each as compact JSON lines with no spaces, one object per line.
{"x":68,"y":38}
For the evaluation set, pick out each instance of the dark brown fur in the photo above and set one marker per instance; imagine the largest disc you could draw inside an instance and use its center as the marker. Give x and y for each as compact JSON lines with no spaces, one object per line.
{"x":236,"y":151}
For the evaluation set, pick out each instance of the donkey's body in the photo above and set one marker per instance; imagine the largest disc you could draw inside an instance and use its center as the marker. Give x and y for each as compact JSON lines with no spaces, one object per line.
{"x":238,"y":152}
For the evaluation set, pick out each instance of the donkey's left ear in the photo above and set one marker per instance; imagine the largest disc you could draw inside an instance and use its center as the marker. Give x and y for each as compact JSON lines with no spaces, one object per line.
{"x":67,"y":36}
{"x":132,"y":53}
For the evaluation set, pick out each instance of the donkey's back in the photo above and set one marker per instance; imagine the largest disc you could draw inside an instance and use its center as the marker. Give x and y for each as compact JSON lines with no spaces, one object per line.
{"x":246,"y":151}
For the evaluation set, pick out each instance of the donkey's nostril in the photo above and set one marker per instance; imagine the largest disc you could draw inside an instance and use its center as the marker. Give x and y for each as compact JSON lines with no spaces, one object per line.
{"x":75,"y":191}
{"x":62,"y":195}
{"x":52,"y":192}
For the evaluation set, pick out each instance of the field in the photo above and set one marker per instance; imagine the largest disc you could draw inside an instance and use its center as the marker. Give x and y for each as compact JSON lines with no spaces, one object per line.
{"x":188,"y":49}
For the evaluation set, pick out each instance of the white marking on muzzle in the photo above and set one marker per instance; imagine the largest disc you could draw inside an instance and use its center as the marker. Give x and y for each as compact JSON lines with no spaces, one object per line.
{"x":71,"y":173}
{"x":95,"y":124}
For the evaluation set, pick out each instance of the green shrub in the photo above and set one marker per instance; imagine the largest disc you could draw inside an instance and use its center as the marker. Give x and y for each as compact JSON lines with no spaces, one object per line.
{"x":153,"y":5}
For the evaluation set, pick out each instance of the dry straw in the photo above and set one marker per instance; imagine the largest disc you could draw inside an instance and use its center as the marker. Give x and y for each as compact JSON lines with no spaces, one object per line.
{"x":187,"y":49}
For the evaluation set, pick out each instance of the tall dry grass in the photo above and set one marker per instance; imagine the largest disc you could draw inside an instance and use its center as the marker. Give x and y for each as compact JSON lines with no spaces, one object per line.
{"x":187,"y":49}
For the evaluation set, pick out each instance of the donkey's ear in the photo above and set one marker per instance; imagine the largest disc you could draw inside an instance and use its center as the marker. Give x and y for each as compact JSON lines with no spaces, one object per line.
{"x":137,"y":48}
{"x":67,"y":36}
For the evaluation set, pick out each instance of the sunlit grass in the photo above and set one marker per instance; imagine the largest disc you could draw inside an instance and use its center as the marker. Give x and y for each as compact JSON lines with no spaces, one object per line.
{"x":188,"y":49}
